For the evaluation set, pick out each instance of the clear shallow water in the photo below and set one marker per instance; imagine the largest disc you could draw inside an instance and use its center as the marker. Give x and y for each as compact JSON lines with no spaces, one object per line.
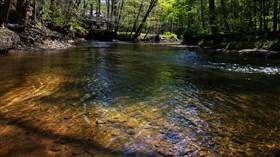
{"x":117,"y":99}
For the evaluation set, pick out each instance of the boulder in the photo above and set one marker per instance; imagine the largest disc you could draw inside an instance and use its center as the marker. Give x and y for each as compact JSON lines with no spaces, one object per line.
{"x":8,"y":39}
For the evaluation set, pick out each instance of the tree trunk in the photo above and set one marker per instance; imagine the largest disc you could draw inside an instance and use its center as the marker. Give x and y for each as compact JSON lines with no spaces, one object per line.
{"x":261,"y":16}
{"x":108,"y":13}
{"x":224,"y":15}
{"x":119,"y":16}
{"x":52,"y":6}
{"x":136,"y":20}
{"x":5,"y":12}
{"x":40,"y":9}
{"x":1,"y":11}
{"x":21,"y":11}
{"x":91,"y":9}
{"x":212,"y":16}
{"x":275,"y":15}
{"x":98,"y":12}
{"x":112,"y":15}
{"x":34,"y":11}
{"x":138,"y":30}
{"x":202,"y":13}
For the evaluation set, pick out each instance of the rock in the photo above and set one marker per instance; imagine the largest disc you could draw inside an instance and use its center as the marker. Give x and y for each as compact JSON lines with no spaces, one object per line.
{"x":89,"y":139}
{"x":99,"y":122}
{"x":130,"y":132}
{"x":82,"y":99}
{"x":56,"y":148}
{"x":70,"y":41}
{"x":87,"y":96}
{"x":67,"y":117}
{"x":8,"y":39}
{"x":93,"y":93}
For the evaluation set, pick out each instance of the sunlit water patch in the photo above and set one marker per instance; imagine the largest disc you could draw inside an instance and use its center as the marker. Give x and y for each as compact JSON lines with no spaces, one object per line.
{"x":270,"y":70}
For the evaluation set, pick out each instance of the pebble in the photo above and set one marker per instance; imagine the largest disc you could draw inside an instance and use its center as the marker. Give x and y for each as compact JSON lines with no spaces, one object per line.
{"x":67,"y":117}
{"x":87,"y":96}
{"x":55,"y":148}
{"x":99,"y":122}
{"x":93,"y":93}
{"x":130,"y":132}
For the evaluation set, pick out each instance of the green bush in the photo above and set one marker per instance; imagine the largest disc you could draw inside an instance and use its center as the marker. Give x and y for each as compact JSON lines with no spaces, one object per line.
{"x":205,"y":43}
{"x":168,"y":35}
{"x":237,"y":45}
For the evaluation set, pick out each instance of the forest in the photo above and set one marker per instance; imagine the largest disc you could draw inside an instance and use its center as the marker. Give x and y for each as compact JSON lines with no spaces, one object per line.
{"x":220,"y":23}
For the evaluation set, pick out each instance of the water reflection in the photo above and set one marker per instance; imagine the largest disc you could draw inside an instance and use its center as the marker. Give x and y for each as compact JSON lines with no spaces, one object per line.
{"x":111,"y":99}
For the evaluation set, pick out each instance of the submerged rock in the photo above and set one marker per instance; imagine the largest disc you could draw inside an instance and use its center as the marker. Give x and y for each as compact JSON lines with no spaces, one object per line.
{"x":56,"y":148}
{"x":99,"y":122}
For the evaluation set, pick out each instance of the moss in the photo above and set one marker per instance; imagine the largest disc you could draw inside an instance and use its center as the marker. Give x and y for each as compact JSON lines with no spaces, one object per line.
{"x":6,"y":32}
{"x":8,"y":39}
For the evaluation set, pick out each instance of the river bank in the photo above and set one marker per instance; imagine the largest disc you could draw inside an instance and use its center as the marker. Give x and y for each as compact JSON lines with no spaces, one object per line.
{"x":254,"y":52}
{"x":255,"y":44}
{"x":34,"y":39}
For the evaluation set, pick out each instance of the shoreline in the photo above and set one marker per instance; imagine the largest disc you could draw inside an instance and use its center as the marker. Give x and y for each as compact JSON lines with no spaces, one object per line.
{"x":17,"y":42}
{"x":254,"y":52}
{"x":46,"y":45}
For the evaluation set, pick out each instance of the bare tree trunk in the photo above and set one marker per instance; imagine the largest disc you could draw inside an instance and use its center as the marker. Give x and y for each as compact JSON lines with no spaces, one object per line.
{"x":112,"y":15}
{"x":2,"y":2}
{"x":91,"y":9}
{"x":108,"y":14}
{"x":98,"y":12}
{"x":136,"y":20}
{"x":119,"y":16}
{"x":5,"y":12}
{"x":139,"y":29}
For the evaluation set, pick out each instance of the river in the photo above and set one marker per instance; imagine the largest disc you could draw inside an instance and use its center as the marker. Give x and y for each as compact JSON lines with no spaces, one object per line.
{"x":125,"y":99}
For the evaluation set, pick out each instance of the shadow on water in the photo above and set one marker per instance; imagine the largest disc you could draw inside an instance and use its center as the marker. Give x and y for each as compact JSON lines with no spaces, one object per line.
{"x":59,"y":139}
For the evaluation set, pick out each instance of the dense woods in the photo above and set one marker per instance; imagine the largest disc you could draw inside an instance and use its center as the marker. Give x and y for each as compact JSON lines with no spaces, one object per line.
{"x":130,"y":18}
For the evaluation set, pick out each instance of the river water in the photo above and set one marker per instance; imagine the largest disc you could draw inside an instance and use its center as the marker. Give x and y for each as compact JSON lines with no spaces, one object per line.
{"x":124,"y":99}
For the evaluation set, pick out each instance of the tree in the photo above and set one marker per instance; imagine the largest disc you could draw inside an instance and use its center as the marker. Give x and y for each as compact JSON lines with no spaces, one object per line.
{"x":140,"y":27}
{"x":4,"y":11}
{"x":21,"y":10}
{"x":212,"y":16}
{"x":136,"y":20}
{"x":275,"y":15}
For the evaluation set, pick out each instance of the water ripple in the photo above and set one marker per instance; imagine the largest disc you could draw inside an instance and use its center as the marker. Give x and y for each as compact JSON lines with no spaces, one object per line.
{"x":270,"y":70}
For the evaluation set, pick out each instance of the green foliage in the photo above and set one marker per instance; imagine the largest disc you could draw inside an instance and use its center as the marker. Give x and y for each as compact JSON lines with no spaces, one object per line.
{"x":5,"y":32}
{"x":205,"y":43}
{"x":168,"y":35}
{"x":76,"y":26}
{"x":240,"y":45}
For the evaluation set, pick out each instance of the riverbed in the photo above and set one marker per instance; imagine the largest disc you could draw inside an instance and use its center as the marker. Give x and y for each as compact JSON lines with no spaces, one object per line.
{"x":127,"y":99}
